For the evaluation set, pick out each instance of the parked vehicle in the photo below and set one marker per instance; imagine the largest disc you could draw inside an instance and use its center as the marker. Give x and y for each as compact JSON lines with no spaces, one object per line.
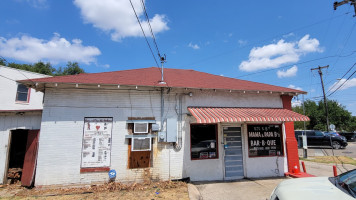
{"x":334,"y":133}
{"x":318,"y":138}
{"x":349,"y":136}
{"x":342,"y":187}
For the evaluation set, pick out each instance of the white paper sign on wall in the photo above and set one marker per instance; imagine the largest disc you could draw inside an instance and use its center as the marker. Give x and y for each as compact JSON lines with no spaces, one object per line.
{"x":96,"y":149}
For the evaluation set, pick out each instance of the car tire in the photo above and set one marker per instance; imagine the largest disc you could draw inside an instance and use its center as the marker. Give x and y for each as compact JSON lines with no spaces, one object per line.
{"x":336,"y":145}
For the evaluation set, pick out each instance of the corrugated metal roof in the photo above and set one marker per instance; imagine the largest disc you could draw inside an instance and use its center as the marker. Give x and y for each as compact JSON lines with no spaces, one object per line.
{"x":179,"y":78}
{"x":215,"y":115}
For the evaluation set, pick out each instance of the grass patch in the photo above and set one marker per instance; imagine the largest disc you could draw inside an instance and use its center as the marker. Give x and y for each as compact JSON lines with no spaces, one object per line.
{"x":331,"y":159}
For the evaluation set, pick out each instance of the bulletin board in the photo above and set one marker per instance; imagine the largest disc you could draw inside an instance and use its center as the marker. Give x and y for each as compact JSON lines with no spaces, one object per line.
{"x":96,"y":148}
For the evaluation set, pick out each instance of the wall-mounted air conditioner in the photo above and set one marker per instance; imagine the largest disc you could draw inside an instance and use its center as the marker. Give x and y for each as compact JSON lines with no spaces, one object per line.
{"x":141,"y":144}
{"x":140,"y":127}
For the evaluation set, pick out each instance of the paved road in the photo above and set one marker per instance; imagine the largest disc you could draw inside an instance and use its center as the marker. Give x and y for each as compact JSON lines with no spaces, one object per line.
{"x":253,"y":189}
{"x":349,"y":151}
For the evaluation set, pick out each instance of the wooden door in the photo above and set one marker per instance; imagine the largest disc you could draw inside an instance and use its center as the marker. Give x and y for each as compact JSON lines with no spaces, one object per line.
{"x":29,"y":166}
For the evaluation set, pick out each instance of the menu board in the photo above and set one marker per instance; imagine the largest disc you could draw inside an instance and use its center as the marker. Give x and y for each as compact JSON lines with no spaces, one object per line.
{"x":264,"y":140}
{"x":96,"y":148}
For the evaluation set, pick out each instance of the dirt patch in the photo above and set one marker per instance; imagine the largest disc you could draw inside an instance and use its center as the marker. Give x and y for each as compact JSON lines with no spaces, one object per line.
{"x":152,"y":190}
{"x":332,"y":159}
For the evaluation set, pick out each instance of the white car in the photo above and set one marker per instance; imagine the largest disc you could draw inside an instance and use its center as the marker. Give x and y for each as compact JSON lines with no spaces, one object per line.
{"x":342,"y":187}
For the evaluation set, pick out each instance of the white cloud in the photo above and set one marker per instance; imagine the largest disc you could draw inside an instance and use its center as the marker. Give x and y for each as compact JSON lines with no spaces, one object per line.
{"x":296,"y":103}
{"x":242,"y":42}
{"x":118,"y":18}
{"x":288,"y":73}
{"x":288,"y":35}
{"x":193,"y":46}
{"x":307,"y":45}
{"x":294,"y":87}
{"x":58,"y":49}
{"x":277,"y":54}
{"x":350,"y":83}
{"x":36,"y":3}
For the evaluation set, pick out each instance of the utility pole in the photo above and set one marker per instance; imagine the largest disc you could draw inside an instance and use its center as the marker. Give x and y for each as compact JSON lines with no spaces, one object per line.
{"x":322,"y":85}
{"x":352,"y":2}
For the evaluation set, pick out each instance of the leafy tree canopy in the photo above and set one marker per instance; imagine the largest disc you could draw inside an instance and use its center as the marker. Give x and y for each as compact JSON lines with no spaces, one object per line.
{"x":338,"y":115}
{"x":46,"y":68}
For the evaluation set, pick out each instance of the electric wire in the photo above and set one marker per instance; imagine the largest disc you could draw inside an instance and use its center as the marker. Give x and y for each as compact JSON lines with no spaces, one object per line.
{"x":341,"y":78}
{"x":7,"y":78}
{"x":345,"y":43}
{"x":266,"y":39}
{"x":18,"y":71}
{"x":143,"y":32}
{"x":342,"y":84}
{"x":149,"y":25}
{"x":299,"y":63}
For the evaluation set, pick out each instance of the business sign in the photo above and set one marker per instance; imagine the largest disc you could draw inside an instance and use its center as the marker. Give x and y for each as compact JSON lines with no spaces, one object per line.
{"x":96,"y":150}
{"x":264,"y":140}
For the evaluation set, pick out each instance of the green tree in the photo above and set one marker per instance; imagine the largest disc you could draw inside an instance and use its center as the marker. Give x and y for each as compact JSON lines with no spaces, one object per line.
{"x":338,"y":115}
{"x":71,"y":69}
{"x":46,"y":68}
{"x":3,"y":61}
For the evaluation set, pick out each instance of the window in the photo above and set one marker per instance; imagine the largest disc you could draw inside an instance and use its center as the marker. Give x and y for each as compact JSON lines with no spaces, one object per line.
{"x":318,"y":133}
{"x":310,"y":133}
{"x":22,"y":93}
{"x":264,"y":140}
{"x":203,"y":141}
{"x":139,"y":147}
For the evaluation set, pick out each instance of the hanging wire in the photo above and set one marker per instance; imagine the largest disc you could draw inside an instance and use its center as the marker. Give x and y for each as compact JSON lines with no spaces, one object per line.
{"x":139,"y":22}
{"x":149,"y":25}
{"x":341,"y":78}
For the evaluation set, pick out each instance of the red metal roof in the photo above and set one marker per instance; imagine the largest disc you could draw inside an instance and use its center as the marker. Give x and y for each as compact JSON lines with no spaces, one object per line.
{"x":207,"y":115}
{"x":180,"y":78}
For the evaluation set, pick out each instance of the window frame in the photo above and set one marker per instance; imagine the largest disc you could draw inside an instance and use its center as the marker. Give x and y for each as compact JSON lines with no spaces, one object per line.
{"x":17,"y":94}
{"x":216,"y":143}
{"x":283,"y":153}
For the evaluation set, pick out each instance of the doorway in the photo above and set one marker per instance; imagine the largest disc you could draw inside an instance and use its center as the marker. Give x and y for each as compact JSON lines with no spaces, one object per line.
{"x":17,"y":151}
{"x":233,"y":159}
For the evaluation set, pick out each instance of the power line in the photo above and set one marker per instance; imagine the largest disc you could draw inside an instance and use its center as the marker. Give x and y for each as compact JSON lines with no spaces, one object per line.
{"x":341,"y":78}
{"x":342,"y":84}
{"x":139,"y":22}
{"x":7,"y":78}
{"x":316,"y":59}
{"x":18,"y":71}
{"x":269,"y":38}
{"x":149,"y":25}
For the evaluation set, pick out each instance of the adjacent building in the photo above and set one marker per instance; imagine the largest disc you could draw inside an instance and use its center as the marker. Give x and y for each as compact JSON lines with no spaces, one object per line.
{"x":20,"y":119}
{"x":181,"y":124}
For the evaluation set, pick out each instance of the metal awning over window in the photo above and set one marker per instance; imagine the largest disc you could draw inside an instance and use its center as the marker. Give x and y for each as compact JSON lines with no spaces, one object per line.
{"x":215,"y":115}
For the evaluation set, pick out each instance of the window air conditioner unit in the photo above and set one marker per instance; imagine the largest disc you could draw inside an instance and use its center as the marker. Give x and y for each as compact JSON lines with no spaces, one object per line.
{"x":141,"y":144}
{"x":140,"y":127}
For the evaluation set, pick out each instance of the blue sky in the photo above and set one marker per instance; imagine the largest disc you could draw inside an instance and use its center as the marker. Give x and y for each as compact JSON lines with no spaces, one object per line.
{"x":274,"y":42}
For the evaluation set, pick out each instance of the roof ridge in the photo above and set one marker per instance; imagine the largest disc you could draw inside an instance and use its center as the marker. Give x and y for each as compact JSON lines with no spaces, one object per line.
{"x":46,"y":76}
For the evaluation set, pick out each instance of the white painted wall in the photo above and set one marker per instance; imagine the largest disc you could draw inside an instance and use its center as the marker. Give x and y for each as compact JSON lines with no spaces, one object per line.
{"x":8,"y":89}
{"x":60,"y":141}
{"x":64,"y":110}
{"x":13,"y":122}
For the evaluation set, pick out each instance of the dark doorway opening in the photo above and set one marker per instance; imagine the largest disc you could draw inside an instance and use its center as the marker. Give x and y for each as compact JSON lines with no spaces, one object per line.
{"x":16,"y":155}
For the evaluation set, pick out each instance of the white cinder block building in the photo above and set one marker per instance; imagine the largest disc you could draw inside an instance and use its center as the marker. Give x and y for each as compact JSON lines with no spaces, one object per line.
{"x":191,"y":124}
{"x":20,"y":119}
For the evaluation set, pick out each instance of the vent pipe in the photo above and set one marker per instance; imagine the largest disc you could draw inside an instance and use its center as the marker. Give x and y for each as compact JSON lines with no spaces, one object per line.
{"x":163,"y":60}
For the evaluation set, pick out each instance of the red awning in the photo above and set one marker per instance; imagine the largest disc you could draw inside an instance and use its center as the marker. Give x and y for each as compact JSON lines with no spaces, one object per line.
{"x":215,"y":115}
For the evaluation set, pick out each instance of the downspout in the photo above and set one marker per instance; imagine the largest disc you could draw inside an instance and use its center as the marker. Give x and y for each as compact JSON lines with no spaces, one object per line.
{"x":162,"y":107}
{"x":178,"y":144}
